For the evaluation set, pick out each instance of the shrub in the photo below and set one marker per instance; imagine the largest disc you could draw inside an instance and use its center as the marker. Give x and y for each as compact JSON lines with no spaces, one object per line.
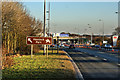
{"x":7,"y":61}
{"x":36,"y":48}
{"x":24,"y":50}
{"x":118,"y":43}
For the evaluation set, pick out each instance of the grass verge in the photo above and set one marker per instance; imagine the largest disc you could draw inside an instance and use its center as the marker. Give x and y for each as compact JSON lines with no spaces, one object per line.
{"x":55,"y":66}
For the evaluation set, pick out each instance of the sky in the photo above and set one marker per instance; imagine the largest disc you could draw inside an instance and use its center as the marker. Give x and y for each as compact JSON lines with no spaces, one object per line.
{"x":74,"y":17}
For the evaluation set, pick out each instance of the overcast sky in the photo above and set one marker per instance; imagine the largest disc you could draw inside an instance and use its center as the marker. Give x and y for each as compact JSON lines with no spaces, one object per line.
{"x":74,"y":17}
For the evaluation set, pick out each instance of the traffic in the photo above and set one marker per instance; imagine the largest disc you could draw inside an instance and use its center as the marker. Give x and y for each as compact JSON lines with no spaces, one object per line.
{"x":105,"y":47}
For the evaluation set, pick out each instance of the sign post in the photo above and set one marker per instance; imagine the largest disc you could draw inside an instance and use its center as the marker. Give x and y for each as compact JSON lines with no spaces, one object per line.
{"x":57,"y":44}
{"x":32,"y":51}
{"x":52,"y":43}
{"x":30,"y":40}
{"x":47,"y":51}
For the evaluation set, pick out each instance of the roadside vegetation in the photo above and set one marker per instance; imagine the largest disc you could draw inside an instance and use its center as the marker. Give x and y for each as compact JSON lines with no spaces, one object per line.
{"x":55,"y":66}
{"x":16,"y":59}
{"x":16,"y":25}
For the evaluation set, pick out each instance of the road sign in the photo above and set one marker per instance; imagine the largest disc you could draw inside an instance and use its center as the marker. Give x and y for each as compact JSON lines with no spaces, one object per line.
{"x":115,"y":37}
{"x":64,"y":35}
{"x":39,"y":40}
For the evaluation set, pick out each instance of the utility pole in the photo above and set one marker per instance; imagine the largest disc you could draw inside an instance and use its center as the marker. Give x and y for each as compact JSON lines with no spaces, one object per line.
{"x":91,"y":37}
{"x":85,"y":35}
{"x":91,"y":33}
{"x":49,"y":20}
{"x":103,"y":30}
{"x":103,"y":27}
{"x":78,"y":36}
{"x":44,"y":31}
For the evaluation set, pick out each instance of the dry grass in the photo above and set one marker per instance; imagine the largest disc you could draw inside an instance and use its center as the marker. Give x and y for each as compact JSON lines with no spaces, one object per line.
{"x":54,"y":66}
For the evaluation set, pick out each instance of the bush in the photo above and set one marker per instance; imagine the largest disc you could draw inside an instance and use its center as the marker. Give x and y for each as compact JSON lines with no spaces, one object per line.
{"x":7,"y":61}
{"x":118,"y":43}
{"x":25,"y":50}
{"x":36,"y":48}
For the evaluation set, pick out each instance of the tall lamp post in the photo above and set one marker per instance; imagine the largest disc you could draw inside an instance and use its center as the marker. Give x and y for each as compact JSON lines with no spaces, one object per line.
{"x":48,"y":19}
{"x":103,"y":27}
{"x":44,"y":30}
{"x":85,"y":35}
{"x":78,"y":37}
{"x":116,"y":12}
{"x":91,"y":33}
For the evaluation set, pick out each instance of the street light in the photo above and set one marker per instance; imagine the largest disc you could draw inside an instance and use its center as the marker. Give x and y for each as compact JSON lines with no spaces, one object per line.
{"x":78,"y":36}
{"x":48,"y":19}
{"x":85,"y":34}
{"x":117,"y":12}
{"x":103,"y":27}
{"x":44,"y":29}
{"x":91,"y":33}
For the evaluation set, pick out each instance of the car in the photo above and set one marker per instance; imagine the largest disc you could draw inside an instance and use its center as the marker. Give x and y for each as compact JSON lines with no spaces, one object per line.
{"x":97,"y":46}
{"x":106,"y":46}
{"x":71,"y":46}
{"x":66,"y":47}
{"x":92,"y":44}
{"x":52,"y":45}
{"x":62,"y":45}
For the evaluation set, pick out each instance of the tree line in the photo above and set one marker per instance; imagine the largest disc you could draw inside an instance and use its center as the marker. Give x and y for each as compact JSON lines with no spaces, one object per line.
{"x":16,"y":25}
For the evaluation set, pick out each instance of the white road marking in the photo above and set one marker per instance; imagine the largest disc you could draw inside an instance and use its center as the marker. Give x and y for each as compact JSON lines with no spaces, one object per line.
{"x":105,"y":59}
{"x":118,"y":64}
{"x":101,"y":52}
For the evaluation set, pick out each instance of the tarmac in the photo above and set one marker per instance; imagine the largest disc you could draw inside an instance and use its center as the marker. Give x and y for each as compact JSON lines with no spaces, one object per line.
{"x":78,"y":74}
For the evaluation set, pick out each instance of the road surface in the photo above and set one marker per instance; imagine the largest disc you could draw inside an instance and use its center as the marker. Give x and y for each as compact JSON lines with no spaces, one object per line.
{"x":113,"y":57}
{"x":93,"y":67}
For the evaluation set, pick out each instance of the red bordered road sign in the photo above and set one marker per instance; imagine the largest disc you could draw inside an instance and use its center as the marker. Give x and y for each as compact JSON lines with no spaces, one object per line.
{"x":39,"y":40}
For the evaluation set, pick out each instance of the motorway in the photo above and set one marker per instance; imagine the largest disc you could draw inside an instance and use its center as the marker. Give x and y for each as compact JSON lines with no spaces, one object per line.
{"x":113,"y":57}
{"x":95,"y":64}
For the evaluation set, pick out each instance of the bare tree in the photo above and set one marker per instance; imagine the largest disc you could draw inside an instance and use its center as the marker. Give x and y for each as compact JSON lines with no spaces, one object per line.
{"x":16,"y":25}
{"x":117,"y":31}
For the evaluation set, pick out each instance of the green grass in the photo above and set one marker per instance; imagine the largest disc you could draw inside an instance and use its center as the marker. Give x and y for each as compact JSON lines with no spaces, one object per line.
{"x":40,"y":67}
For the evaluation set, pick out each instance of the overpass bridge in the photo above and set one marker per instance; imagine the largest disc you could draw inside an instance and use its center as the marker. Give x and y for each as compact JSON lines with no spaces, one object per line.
{"x":70,"y":39}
